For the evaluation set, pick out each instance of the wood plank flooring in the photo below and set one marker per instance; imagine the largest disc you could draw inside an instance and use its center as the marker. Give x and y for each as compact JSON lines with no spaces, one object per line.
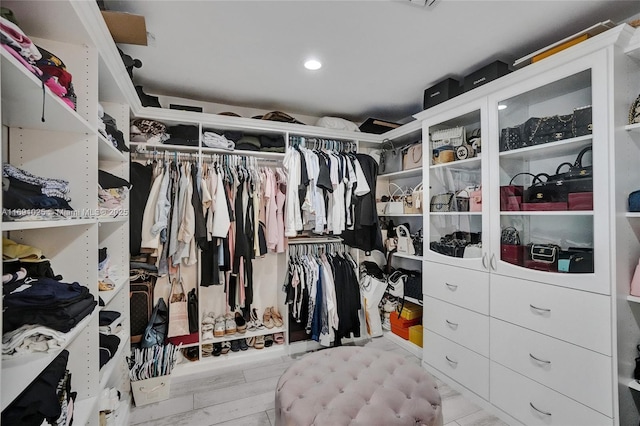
{"x":243,"y":395}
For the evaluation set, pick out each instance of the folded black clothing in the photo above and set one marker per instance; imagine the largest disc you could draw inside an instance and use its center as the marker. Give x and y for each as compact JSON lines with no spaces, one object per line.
{"x":247,"y":147}
{"x":43,"y":292}
{"x":109,"y":121}
{"x":184,"y":131}
{"x":39,"y":401}
{"x":62,"y":320}
{"x":108,"y":317}
{"x":102,"y":254}
{"x":272,"y":141}
{"x":25,"y":187}
{"x":108,"y":347}
{"x":182,"y":141}
{"x":233,"y":135}
{"x":17,"y":199}
{"x":119,"y":137}
{"x":35,"y":269}
{"x":107,"y":180}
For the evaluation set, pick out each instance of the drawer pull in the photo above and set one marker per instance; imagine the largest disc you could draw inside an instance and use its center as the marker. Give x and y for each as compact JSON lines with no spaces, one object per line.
{"x":539,"y":411}
{"x":540,"y":309}
{"x":452,"y":324}
{"x":452,"y":287}
{"x":540,"y":360}
{"x":450,"y":360}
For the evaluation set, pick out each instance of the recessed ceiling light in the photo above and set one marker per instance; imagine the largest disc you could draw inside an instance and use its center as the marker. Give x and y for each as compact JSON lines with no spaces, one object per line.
{"x":312,"y":64}
{"x":502,"y":106}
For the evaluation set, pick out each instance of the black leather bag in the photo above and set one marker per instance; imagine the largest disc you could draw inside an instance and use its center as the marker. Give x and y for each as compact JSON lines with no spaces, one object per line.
{"x":511,"y":138}
{"x":578,"y":178}
{"x":576,"y":260}
{"x":545,"y":191}
{"x":412,"y":284}
{"x":539,"y":131}
{"x":582,"y":121}
{"x":192,"y":310}
{"x":156,"y":331}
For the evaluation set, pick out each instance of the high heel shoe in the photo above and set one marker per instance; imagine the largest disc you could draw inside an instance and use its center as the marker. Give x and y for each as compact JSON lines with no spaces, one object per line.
{"x":266,"y":318}
{"x":277,"y":318}
{"x":256,"y":322}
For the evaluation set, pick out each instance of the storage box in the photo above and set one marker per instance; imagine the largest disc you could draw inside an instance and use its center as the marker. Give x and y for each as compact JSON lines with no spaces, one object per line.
{"x":402,"y":322}
{"x":151,"y":390}
{"x":440,"y":92}
{"x":580,"y":201}
{"x":415,"y":334}
{"x":485,"y":74}
{"x":378,"y":127}
{"x":515,"y":254}
{"x":411,"y":311}
{"x":126,"y":27}
{"x":400,"y":331}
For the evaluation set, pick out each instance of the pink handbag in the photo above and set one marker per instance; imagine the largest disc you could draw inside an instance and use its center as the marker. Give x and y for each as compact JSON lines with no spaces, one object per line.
{"x":635,"y":281}
{"x":475,"y":200}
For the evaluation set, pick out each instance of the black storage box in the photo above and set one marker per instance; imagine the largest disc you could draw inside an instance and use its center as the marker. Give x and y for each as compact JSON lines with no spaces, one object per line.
{"x":485,"y":74}
{"x":185,"y":107}
{"x":376,"y":126}
{"x":440,"y":92}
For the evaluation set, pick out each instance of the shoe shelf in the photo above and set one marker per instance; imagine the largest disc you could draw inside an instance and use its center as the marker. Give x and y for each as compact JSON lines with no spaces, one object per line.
{"x":21,"y":370}
{"x":236,"y":336}
{"x":107,"y":370}
{"x":108,"y":295}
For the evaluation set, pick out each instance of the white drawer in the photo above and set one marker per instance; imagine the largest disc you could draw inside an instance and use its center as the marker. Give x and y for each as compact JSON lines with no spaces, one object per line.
{"x":579,"y":373}
{"x":468,"y":328}
{"x":517,"y":396}
{"x":462,"y":365}
{"x":575,"y":316}
{"x":459,"y":286}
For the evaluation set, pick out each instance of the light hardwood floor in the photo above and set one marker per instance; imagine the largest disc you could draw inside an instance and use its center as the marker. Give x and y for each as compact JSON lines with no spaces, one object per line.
{"x":244,"y":395}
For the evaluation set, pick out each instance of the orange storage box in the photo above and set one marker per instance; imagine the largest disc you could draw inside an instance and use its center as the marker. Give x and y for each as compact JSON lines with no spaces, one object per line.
{"x":400,"y":326}
{"x":415,"y":334}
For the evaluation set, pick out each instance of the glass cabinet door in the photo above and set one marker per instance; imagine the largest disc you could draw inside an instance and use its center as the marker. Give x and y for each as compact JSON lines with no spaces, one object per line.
{"x":543,"y":186}
{"x":455,"y":175}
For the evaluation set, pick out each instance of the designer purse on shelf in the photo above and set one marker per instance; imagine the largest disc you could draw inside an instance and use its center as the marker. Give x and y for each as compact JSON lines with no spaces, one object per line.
{"x":462,"y":200}
{"x":405,"y":245}
{"x":395,"y":204}
{"x":390,"y":158}
{"x":475,"y":200}
{"x":156,"y":331}
{"x":413,"y":201}
{"x":511,"y":195}
{"x":578,"y":178}
{"x":545,"y":253}
{"x":582,"y":121}
{"x":442,"y":203}
{"x":444,"y":154}
{"x":454,"y":136}
{"x":539,"y":131}
{"x":576,"y":260}
{"x":543,"y":195}
{"x":511,"y":138}
{"x":511,"y":250}
{"x":412,"y":158}
{"x":634,"y":201}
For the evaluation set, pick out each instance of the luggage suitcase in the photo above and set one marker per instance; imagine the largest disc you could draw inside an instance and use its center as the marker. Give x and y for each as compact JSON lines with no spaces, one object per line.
{"x":141,"y":305}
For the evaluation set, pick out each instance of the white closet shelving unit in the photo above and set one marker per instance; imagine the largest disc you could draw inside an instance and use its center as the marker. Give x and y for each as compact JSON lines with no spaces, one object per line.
{"x":486,"y":320}
{"x":74,"y":151}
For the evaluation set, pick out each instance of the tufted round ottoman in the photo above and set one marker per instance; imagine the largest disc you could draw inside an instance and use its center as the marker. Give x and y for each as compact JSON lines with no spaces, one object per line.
{"x":352,"y":385}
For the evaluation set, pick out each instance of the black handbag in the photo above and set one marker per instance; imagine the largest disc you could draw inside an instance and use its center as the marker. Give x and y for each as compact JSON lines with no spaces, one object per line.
{"x":390,"y":159}
{"x":545,"y":191}
{"x":539,"y":131}
{"x":511,"y":138}
{"x":582,"y":121}
{"x":156,"y":331}
{"x":576,"y":260}
{"x":578,"y":178}
{"x":412,"y":284}
{"x":192,"y":310}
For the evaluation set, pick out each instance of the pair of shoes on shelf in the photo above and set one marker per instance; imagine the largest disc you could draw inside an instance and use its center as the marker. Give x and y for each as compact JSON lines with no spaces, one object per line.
{"x":207,"y":331}
{"x":229,"y":324}
{"x":225,"y":347}
{"x":278,"y":338}
{"x":217,"y":349}
{"x":254,"y":323}
{"x":207,"y":350}
{"x":239,"y":345}
{"x":241,"y":324}
{"x":256,"y":342}
{"x":219,"y":327}
{"x":268,"y":340}
{"x":272,"y":318}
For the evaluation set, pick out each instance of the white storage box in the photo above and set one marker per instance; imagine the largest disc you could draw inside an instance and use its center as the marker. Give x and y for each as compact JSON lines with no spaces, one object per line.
{"x":151,"y":390}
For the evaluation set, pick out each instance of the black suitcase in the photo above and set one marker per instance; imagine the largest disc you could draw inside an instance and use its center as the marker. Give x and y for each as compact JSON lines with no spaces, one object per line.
{"x":141,"y":305}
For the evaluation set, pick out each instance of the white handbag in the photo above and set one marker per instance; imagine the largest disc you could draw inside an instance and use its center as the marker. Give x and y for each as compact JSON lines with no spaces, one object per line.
{"x":395,"y":205}
{"x":414,"y":200}
{"x":455,"y":136}
{"x":405,"y":244}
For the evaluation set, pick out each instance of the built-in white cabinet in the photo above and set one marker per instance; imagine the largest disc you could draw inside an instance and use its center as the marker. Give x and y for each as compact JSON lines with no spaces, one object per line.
{"x":541,"y":327}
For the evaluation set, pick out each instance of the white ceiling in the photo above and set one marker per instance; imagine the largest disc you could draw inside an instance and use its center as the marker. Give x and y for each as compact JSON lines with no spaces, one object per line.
{"x":378,"y":56}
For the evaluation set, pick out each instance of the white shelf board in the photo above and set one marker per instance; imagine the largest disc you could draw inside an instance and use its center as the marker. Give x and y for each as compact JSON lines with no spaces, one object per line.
{"x":151,"y":147}
{"x":407,"y":256}
{"x":112,"y":219}
{"x":633,"y":127}
{"x":405,"y":344}
{"x":402,"y":174}
{"x":22,"y":102}
{"x":20,"y":371}
{"x":632,"y":214}
{"x":236,"y":336}
{"x":403,"y":215}
{"x":37,"y":224}
{"x":272,"y":155}
{"x":227,"y":360}
{"x":549,"y":213}
{"x":84,"y":409}
{"x":108,"y":152}
{"x":107,"y":370}
{"x":468,"y":164}
{"x":107,"y":296}
{"x":634,"y":299}
{"x":416,"y":301}
{"x":633,"y":384}
{"x":314,"y":240}
{"x":552,"y":149}
{"x":455,"y":213}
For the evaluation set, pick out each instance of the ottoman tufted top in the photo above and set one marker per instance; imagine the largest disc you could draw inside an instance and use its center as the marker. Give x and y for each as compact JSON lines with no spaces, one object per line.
{"x":353,"y":385}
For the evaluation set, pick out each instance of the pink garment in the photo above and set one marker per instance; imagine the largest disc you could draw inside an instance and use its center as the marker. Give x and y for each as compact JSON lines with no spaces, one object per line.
{"x":26,"y":64}
{"x":271,"y":223}
{"x":16,"y":36}
{"x":55,"y":87}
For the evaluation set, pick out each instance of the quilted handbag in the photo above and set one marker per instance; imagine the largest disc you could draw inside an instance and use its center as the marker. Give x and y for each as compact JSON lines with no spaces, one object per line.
{"x":412,"y":158}
{"x":442,"y":202}
{"x":390,"y":158}
{"x":454,"y":136}
{"x":539,"y":131}
{"x":511,"y":138}
{"x":582,"y":122}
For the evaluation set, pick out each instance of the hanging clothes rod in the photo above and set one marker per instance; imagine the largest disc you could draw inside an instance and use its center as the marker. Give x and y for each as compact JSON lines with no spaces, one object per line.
{"x":312,"y":240}
{"x":329,"y":144}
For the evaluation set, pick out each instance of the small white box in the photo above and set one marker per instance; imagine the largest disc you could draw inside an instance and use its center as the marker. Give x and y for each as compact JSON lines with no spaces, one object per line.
{"x":151,"y":390}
